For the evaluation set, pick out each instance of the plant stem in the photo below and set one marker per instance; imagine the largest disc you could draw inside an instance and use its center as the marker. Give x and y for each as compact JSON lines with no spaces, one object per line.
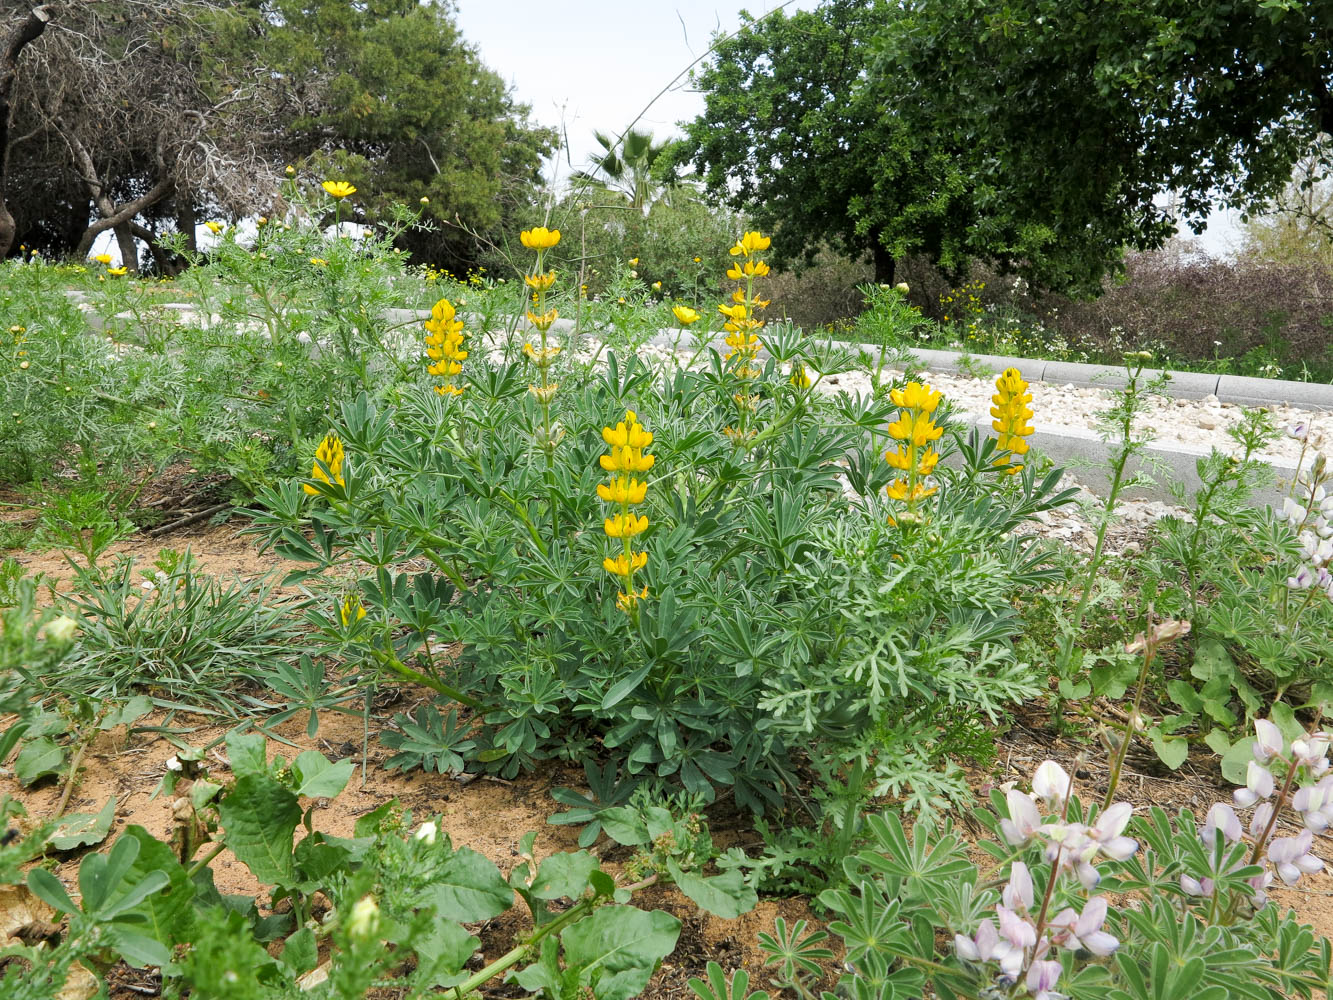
{"x":515,"y":955}
{"x":202,"y":863}
{"x":1150,"y":649}
{"x":69,"y":780}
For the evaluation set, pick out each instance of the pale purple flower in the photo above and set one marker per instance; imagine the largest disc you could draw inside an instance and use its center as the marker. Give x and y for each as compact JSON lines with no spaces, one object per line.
{"x":1269,"y":744}
{"x":1315,"y":804}
{"x":1259,"y":883}
{"x":1041,"y":979}
{"x":1299,"y":430}
{"x":1221,"y":817}
{"x":1017,"y":893}
{"x":1015,"y":929}
{"x":1259,"y":821}
{"x":1050,"y":783}
{"x":1024,"y":820}
{"x":986,"y":946}
{"x":1292,"y":858}
{"x":1312,"y":750}
{"x":1292,"y":512}
{"x":1074,"y":930}
{"x":1107,"y":831}
{"x":1303,"y":580}
{"x":1192,"y":886}
{"x":1321,"y":525}
{"x":1258,"y":785}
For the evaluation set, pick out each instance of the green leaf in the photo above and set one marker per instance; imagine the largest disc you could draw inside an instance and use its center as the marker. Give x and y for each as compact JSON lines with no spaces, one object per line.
{"x":300,"y":953}
{"x":469,"y":888}
{"x":47,"y":888}
{"x":1172,"y":752}
{"x":624,"y":825}
{"x":137,"y":949}
{"x":316,"y":777}
{"x":726,"y":895}
{"x":1281,"y":715}
{"x":565,"y":874}
{"x":132,"y":711}
{"x":83,"y":829}
{"x":37,"y":759}
{"x":442,"y":952}
{"x":1236,"y":761}
{"x":168,"y":916}
{"x":259,"y":816}
{"x":247,"y":753}
{"x":1211,"y":659}
{"x":617,"y":949}
{"x":1218,"y":742}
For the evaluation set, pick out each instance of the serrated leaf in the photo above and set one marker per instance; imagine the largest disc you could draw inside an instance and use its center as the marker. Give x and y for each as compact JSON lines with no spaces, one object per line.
{"x":247,"y":753}
{"x":259,"y":817}
{"x":317,"y":777}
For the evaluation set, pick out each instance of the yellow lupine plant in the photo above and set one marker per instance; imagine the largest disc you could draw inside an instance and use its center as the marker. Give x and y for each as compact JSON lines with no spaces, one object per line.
{"x":540,"y":281}
{"x":914,"y":430}
{"x":329,"y":455}
{"x":625,"y":460}
{"x":742,"y":326}
{"x":444,"y":347}
{"x":1012,"y":415}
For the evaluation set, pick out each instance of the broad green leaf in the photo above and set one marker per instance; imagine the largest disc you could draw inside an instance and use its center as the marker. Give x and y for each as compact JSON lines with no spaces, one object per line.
{"x":47,"y":888}
{"x":132,"y":711}
{"x":565,"y":874}
{"x":1172,"y":752}
{"x":300,"y":953}
{"x":617,"y":949}
{"x":37,"y":759}
{"x":247,"y":753}
{"x":469,"y":888}
{"x":168,"y":916}
{"x":624,"y":826}
{"x":1235,"y":762}
{"x":443,"y":951}
{"x":136,"y":948}
{"x":317,"y":777}
{"x":83,"y":829}
{"x":726,"y":895}
{"x":259,"y":817}
{"x":1218,"y":742}
{"x":1211,"y":659}
{"x":1281,"y":715}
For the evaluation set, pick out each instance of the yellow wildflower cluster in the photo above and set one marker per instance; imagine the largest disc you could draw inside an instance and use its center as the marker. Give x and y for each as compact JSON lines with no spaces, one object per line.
{"x":1012,"y":413}
{"x":352,"y":610}
{"x":742,"y":327}
{"x":964,"y":305}
{"x":328,"y":466}
{"x":627,"y":441}
{"x":444,"y":347}
{"x":914,"y":430}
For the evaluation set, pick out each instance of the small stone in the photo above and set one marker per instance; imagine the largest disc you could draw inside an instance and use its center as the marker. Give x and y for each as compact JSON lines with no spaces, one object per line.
{"x":1207,"y":423}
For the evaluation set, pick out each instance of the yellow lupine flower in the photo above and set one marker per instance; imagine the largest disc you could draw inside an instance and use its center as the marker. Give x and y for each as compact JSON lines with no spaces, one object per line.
{"x":626,"y":601}
{"x":622,"y":490}
{"x":685,"y":315}
{"x":338,"y":189}
{"x":544,"y":321}
{"x":1012,"y":415}
{"x":916,"y":396}
{"x":800,"y":377}
{"x":629,"y":433}
{"x":622,"y":565}
{"x":627,"y":460}
{"x":750,"y":269}
{"x":626,"y":525}
{"x":751,"y":243}
{"x":539,"y":238}
{"x":352,"y":610}
{"x":540,"y":282}
{"x":330,"y":453}
{"x":914,"y":430}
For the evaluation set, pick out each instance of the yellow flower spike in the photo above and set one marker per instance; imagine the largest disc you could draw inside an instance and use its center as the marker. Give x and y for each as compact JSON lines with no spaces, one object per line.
{"x":330,"y":454}
{"x":800,"y":378}
{"x":540,"y":282}
{"x":736,"y":312}
{"x":685,"y":315}
{"x":352,"y":610}
{"x":629,"y":433}
{"x":338,"y":189}
{"x":751,"y":243}
{"x":103,"y":258}
{"x":627,"y":602}
{"x":625,"y":525}
{"x":914,"y":430}
{"x":1012,"y":415}
{"x":916,"y":396}
{"x":544,"y":321}
{"x":539,"y":238}
{"x":622,"y":490}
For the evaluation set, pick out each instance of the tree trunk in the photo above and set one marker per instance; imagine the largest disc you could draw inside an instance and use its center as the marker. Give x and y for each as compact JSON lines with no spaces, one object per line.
{"x":885,"y":265}
{"x":129,"y":250}
{"x":187,"y":222}
{"x":28,"y":30}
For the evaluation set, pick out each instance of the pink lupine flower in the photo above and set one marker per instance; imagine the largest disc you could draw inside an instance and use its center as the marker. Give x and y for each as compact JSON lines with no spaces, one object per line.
{"x":1303,"y":580}
{"x":1258,"y":785}
{"x":1221,"y":817}
{"x":1192,"y":886}
{"x":1075,"y":930}
{"x":1024,"y":820}
{"x":1017,"y":894}
{"x":1269,"y":744}
{"x":1312,"y":751}
{"x":1259,"y":821}
{"x":1292,"y":857}
{"x":1015,"y":929}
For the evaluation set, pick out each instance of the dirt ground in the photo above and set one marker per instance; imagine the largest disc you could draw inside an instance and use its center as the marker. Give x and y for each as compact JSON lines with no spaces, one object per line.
{"x":491,"y":815}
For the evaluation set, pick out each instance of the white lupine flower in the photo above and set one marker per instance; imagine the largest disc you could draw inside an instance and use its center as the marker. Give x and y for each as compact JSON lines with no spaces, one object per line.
{"x":1269,"y":744}
{"x":1258,"y":785}
{"x":1050,"y":783}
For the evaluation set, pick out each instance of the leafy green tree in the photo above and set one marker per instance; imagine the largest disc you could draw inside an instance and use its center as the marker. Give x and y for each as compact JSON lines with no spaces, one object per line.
{"x":390,"y":96}
{"x":1081,"y":115}
{"x":795,"y":134}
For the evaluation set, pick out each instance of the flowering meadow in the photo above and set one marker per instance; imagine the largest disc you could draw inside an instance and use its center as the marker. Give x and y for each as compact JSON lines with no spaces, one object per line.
{"x":745,"y":638}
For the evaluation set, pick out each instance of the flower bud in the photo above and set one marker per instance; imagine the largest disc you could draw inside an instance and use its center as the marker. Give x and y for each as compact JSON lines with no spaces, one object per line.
{"x":426,"y":834}
{"x":902,"y":287}
{"x":61,"y":630}
{"x":365,"y":918}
